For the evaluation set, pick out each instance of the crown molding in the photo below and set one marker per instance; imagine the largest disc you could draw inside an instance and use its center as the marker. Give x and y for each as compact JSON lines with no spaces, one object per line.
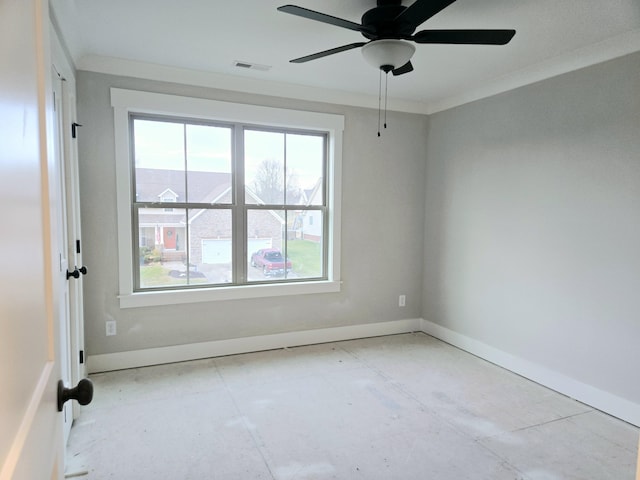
{"x":151,"y":71}
{"x":608,"y":49}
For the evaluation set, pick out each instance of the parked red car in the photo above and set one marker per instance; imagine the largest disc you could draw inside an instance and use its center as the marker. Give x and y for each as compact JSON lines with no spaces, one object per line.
{"x":271,"y":261}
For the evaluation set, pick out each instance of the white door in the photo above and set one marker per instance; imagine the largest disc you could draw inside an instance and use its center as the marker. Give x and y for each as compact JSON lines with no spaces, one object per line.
{"x":67,"y":133}
{"x":31,"y":439}
{"x":74,"y":237}
{"x":61,"y":242}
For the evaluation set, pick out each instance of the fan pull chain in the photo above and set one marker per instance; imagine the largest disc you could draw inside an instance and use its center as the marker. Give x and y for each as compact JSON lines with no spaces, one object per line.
{"x":386,"y":90}
{"x":379,"y":98}
{"x":386,"y":97}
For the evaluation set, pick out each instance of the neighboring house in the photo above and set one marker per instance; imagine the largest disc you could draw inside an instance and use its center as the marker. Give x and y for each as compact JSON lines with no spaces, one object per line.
{"x":308,"y":225}
{"x":209,"y":236}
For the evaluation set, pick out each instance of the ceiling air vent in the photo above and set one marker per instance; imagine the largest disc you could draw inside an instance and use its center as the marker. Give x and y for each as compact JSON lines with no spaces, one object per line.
{"x":251,"y":66}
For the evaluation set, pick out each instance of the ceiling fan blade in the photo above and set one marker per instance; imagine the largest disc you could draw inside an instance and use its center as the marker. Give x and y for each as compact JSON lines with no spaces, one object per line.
{"x":321,"y":17}
{"x":325,"y":53}
{"x":465,"y":37}
{"x":406,"y":68}
{"x":421,"y":11}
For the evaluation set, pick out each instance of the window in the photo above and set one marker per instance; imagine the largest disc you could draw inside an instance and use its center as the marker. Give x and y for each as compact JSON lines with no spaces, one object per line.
{"x":230,"y":228}
{"x":221,"y":201}
{"x":168,"y":196}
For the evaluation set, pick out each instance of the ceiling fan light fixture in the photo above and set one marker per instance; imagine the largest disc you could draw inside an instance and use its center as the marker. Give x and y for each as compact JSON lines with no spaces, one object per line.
{"x":388,"y":54}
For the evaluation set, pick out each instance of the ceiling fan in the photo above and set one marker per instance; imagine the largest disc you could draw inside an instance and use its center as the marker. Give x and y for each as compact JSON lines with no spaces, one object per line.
{"x":390,"y":27}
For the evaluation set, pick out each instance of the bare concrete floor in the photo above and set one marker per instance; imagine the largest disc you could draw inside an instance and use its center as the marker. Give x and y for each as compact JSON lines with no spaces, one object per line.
{"x":398,"y":407}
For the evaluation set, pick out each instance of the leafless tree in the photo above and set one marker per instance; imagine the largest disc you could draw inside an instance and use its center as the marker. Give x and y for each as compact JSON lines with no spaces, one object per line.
{"x":269,"y":183}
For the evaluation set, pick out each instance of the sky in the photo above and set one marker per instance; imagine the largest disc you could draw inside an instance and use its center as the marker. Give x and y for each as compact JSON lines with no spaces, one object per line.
{"x":161,"y":145}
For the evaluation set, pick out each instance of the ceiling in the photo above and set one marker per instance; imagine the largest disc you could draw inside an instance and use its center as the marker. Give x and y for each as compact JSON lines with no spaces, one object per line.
{"x":203,"y":39}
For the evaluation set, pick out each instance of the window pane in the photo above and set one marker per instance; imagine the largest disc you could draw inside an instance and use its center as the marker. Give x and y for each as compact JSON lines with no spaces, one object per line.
{"x":264,"y":167}
{"x":162,"y":247}
{"x":265,"y":230}
{"x":211,"y":244}
{"x":305,"y":169}
{"x":305,"y":243}
{"x":159,"y":161}
{"x":209,"y":164}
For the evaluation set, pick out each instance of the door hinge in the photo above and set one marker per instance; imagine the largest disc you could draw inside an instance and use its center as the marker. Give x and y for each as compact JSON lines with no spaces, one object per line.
{"x":81,"y":357}
{"x":74,"y":127}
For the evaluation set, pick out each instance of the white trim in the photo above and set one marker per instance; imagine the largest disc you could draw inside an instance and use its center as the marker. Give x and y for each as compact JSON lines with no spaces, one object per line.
{"x":159,"y":103}
{"x":132,"y":101}
{"x":599,"y":399}
{"x":180,"y":353}
{"x":608,"y":49}
{"x":151,"y":71}
{"x":239,"y":292}
{"x":335,"y":204}
{"x":123,"y":196}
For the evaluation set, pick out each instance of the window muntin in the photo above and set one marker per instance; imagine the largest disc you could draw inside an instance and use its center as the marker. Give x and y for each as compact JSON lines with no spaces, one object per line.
{"x":283,"y":182}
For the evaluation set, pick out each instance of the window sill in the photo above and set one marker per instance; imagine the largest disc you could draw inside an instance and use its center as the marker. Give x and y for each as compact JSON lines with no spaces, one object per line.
{"x":149,"y":299}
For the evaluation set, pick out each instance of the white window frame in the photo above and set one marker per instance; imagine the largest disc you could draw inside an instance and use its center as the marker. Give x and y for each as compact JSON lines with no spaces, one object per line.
{"x":125,"y":102}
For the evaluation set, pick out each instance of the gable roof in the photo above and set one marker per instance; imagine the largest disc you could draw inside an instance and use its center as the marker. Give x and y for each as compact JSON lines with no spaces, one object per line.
{"x":309,"y":195}
{"x":204,"y":187}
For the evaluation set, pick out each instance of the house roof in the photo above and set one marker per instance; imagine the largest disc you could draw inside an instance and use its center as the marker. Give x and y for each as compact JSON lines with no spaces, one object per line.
{"x":310,"y":195}
{"x":204,"y":187}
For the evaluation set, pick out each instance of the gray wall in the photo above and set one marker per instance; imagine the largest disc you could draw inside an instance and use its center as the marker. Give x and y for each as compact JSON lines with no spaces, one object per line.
{"x":532,"y":224}
{"x":382,"y":231}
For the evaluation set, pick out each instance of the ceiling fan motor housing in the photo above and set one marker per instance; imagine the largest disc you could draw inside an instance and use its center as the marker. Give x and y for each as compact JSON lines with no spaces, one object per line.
{"x":380,"y":22}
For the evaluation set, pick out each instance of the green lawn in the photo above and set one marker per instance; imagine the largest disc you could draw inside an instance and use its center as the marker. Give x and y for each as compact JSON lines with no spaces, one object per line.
{"x":155,"y":275}
{"x":306,"y":257}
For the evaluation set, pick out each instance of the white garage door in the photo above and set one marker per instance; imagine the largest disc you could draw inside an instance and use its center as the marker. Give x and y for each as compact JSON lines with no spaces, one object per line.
{"x":220,"y":251}
{"x":216,"y":251}
{"x":255,"y":244}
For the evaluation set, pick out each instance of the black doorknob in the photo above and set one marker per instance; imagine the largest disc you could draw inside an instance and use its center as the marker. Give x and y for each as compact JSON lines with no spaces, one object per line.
{"x":83,"y":393}
{"x":74,"y":274}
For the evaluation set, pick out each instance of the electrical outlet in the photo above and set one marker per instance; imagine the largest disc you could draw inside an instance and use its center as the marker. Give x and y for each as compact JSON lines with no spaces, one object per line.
{"x":402,"y":300}
{"x":111,"y":328}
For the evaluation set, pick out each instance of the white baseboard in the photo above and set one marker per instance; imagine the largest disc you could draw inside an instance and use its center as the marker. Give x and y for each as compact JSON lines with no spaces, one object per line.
{"x":592,"y":396}
{"x":194,"y":351}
